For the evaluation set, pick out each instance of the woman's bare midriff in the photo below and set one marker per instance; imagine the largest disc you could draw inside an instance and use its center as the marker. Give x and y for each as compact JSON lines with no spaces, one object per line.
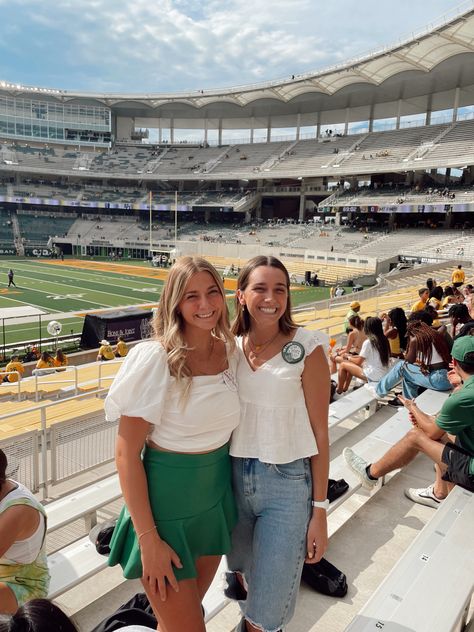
{"x":155,"y":446}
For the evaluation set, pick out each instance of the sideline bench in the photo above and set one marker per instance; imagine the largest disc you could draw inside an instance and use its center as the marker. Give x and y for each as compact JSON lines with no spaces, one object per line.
{"x":430,"y":587}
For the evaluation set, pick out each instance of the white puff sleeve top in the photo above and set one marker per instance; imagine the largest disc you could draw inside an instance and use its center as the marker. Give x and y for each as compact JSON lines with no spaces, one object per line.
{"x":274,"y":424}
{"x":143,"y":387}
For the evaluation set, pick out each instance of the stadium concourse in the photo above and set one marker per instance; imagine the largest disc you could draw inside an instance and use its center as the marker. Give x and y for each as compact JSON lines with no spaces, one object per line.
{"x":358,"y":175}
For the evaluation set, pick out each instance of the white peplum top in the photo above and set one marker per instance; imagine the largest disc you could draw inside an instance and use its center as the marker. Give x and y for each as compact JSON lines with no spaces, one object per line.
{"x":274,"y":423}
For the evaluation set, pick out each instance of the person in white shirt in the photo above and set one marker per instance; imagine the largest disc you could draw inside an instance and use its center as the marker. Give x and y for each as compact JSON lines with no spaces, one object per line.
{"x":280,"y":449}
{"x":176,"y":397}
{"x":373,"y":360}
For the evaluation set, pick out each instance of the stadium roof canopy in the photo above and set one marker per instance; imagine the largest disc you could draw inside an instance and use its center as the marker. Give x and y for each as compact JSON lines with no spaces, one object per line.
{"x":433,"y":70}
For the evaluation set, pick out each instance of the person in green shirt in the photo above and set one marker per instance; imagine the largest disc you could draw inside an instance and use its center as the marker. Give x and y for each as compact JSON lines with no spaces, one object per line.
{"x":447,"y":438}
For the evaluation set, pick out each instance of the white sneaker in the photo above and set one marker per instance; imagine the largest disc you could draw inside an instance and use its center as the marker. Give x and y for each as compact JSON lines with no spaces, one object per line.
{"x":424,"y":496}
{"x":359,"y":466}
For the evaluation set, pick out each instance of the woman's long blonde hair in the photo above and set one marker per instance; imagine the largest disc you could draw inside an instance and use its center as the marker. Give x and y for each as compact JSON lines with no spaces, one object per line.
{"x":168,"y":323}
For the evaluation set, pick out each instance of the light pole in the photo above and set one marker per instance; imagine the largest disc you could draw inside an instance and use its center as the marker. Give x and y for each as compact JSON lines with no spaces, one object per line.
{"x":150,"y":222}
{"x":176,"y":219}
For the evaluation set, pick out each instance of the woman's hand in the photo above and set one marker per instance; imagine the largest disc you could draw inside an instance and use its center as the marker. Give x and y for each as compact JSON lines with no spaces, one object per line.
{"x":158,"y":559}
{"x":408,"y":403}
{"x":317,"y":536}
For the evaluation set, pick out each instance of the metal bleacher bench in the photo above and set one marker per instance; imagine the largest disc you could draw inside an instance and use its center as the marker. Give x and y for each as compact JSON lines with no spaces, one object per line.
{"x":430,"y":587}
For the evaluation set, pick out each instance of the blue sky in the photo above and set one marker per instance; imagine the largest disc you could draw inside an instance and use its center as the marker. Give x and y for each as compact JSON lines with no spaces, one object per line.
{"x":173,"y":45}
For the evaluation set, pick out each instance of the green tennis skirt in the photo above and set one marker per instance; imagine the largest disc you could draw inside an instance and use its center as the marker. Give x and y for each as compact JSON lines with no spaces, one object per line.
{"x":193,"y":506}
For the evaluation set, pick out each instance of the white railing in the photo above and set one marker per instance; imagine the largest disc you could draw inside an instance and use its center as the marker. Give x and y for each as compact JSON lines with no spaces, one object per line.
{"x":64,"y":448}
{"x":11,"y":384}
{"x":49,"y":371}
{"x":104,"y":364}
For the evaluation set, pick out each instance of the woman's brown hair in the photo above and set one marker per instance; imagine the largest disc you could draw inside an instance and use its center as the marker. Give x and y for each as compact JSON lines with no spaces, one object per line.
{"x":3,"y":467}
{"x":241,"y":324}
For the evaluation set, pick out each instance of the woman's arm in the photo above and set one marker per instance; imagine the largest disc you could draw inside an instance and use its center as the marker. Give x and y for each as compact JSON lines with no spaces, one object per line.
{"x":391,"y":333}
{"x":316,"y":388}
{"x":157,"y":556}
{"x":355,"y":359}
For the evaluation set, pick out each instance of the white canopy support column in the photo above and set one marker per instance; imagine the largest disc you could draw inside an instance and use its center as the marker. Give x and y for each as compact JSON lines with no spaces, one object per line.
{"x":456,"y":104}
{"x":298,"y":125}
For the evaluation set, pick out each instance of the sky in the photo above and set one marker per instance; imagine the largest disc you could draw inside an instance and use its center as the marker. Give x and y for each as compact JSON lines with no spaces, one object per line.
{"x":156,"y":46}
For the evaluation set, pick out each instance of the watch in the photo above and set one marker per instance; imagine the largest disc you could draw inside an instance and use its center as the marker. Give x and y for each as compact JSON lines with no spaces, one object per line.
{"x":320,"y":504}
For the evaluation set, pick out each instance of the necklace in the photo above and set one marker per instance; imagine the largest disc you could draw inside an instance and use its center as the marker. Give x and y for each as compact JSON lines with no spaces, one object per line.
{"x":199,"y":363}
{"x":256,"y":350}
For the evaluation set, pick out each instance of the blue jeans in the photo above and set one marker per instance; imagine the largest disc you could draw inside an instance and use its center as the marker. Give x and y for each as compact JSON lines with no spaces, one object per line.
{"x":412,"y":379}
{"x":269,"y":541}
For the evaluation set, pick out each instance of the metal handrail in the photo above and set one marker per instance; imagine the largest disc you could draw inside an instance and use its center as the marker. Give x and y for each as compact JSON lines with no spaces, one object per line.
{"x":107,"y":377}
{"x":42,"y":408}
{"x":2,"y":372}
{"x":53,"y":371}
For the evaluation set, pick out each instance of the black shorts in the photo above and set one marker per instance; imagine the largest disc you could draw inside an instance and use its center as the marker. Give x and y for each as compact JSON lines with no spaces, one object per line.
{"x":458,"y":283}
{"x":457,"y":460}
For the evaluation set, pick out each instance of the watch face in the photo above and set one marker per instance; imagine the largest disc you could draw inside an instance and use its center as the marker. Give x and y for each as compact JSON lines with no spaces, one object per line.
{"x":293,"y":352}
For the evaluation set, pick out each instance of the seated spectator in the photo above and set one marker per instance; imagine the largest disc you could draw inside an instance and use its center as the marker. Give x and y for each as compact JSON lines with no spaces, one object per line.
{"x":121,"y":348}
{"x":447,"y":438}
{"x":450,"y":297}
{"x":372,"y":363}
{"x":458,"y":276}
{"x":353,"y":345}
{"x":395,"y":330}
{"x":46,"y":361}
{"x":425,"y":366}
{"x":13,"y":365}
{"x":468,"y":296}
{"x":23,"y":566}
{"x":105,"y":351}
{"x":60,"y":359}
{"x":424,"y":295}
{"x":460,"y":320}
{"x":436,"y":297}
{"x":431,"y":284}
{"x":38,"y":615}
{"x":42,"y":615}
{"x":30,"y":355}
{"x":354,"y":309}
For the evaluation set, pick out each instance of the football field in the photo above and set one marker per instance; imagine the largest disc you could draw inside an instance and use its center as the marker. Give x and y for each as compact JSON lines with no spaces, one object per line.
{"x":64,"y":291}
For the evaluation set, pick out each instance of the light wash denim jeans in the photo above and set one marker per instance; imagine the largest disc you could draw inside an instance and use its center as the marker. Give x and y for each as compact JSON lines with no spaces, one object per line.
{"x":412,"y":379}
{"x":269,"y":541}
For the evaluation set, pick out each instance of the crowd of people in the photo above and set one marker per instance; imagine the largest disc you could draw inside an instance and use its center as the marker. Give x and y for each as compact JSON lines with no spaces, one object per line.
{"x":47,"y":362}
{"x":208,"y":467}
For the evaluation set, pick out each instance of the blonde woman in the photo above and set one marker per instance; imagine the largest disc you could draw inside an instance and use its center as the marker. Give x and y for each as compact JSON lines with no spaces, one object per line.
{"x":177,"y":401}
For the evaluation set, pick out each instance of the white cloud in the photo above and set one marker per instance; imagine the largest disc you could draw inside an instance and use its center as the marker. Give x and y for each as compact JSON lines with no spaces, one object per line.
{"x":166,"y":45}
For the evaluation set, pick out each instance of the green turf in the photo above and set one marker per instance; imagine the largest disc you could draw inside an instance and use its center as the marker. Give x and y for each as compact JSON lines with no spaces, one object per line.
{"x":59,"y":290}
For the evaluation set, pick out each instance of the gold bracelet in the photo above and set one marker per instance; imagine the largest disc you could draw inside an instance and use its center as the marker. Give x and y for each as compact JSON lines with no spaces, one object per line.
{"x":145,"y":532}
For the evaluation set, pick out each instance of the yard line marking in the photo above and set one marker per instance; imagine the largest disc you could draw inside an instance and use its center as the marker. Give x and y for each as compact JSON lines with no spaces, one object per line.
{"x":92,"y":276}
{"x":14,"y":300}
